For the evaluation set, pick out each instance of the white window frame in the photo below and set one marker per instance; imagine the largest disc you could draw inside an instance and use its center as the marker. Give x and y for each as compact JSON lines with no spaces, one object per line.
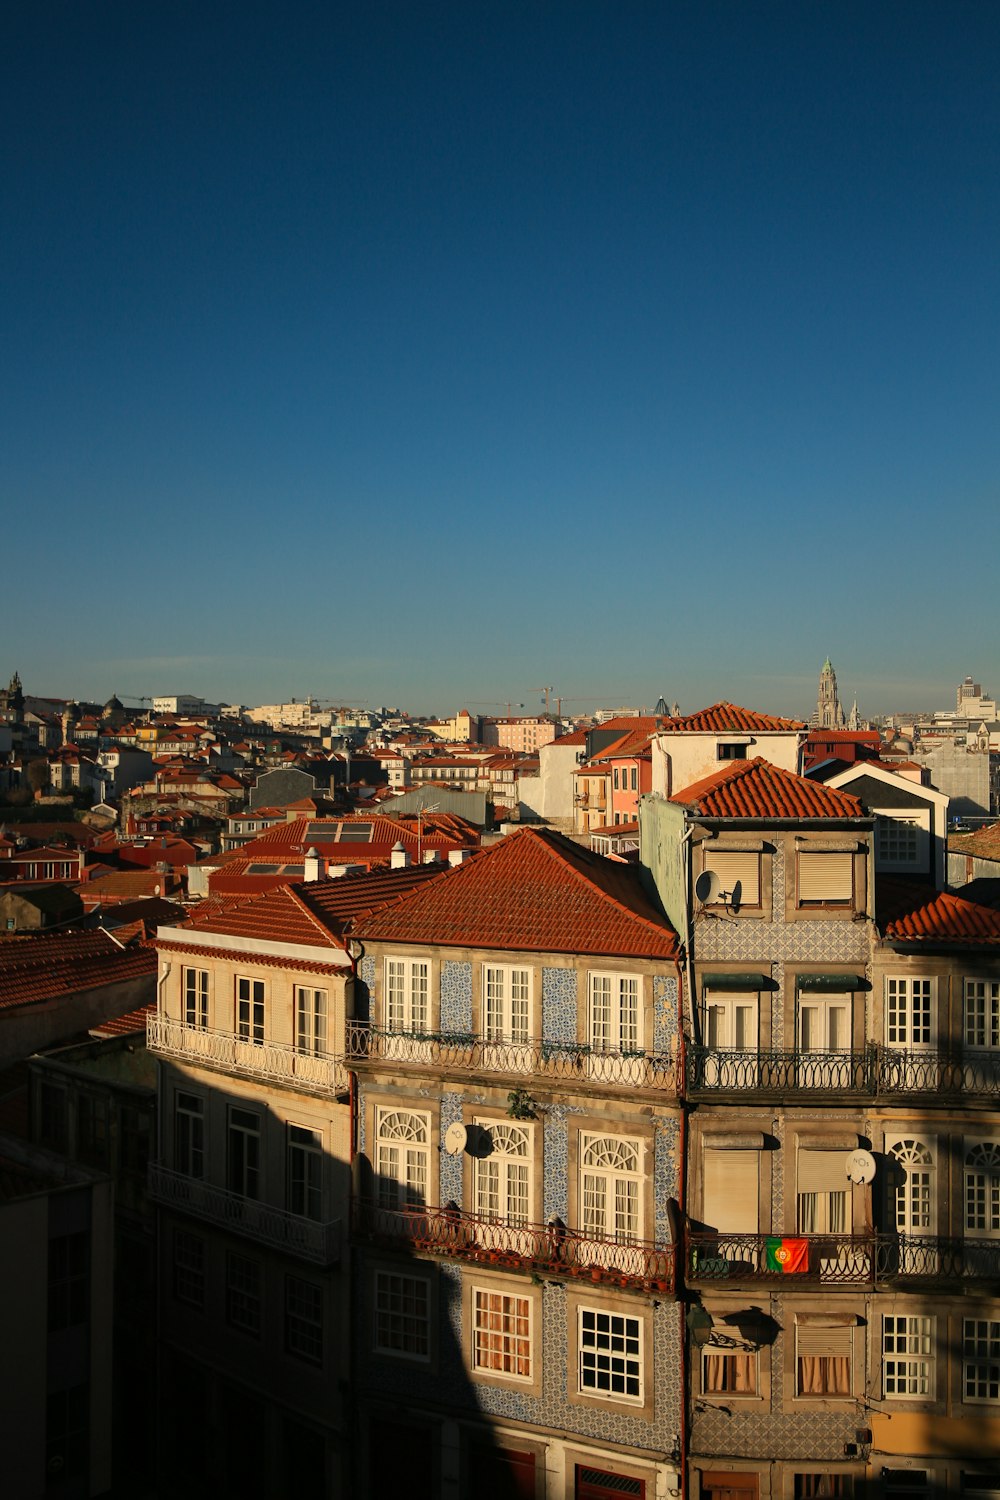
{"x":730,"y":1020}
{"x":189,"y":1268}
{"x":311,"y":1014}
{"x":825,"y":1007}
{"x":981,"y":1015}
{"x":507,"y":1003}
{"x":982,"y":1189}
{"x":899,"y":841}
{"x":729,"y":1360}
{"x":244,"y":1293}
{"x":304,"y":1171}
{"x":195,"y":991}
{"x":981,"y":1361}
{"x":244,"y":1153}
{"x":611,"y":1188}
{"x":614,"y":1012}
{"x":402,"y":1315}
{"x":189,"y":1134}
{"x":502,"y":1335}
{"x":910,"y":1011}
{"x":908,"y":1357}
{"x":250,"y":1010}
{"x":501,"y":1179}
{"x":402,"y":1158}
{"x":610,"y":1349}
{"x":407,"y":995}
{"x":304,"y":1317}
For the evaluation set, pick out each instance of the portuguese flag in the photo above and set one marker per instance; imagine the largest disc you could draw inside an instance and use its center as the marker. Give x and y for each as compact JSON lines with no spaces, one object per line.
{"x":788,"y":1256}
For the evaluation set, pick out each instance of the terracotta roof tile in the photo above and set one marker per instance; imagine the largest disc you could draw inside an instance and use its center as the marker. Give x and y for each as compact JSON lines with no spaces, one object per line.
{"x":535,"y":891}
{"x":723,"y":717}
{"x":757,"y":789}
{"x":944,"y":918}
{"x":45,"y":967}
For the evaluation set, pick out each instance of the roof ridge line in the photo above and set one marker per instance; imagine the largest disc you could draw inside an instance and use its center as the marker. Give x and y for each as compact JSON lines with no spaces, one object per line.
{"x":594,"y":886}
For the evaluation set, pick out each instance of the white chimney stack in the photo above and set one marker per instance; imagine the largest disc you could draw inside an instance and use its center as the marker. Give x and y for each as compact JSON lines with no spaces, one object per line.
{"x":458,"y":856}
{"x":313,"y":864}
{"x":399,"y":859}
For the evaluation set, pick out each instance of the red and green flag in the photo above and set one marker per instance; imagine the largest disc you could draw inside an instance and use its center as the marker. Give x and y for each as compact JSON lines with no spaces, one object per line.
{"x":787,"y":1256}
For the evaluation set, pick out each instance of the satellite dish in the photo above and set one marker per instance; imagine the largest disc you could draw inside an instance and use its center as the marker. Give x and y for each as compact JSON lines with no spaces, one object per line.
{"x":707,"y":887}
{"x":456,"y":1138}
{"x":860,"y":1166}
{"x":736,"y":898}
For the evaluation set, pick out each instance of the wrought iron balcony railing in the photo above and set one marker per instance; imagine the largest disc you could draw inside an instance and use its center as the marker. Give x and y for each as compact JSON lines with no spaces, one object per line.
{"x":303,"y":1238}
{"x":549,"y":1248}
{"x":871,"y":1073}
{"x":840,"y":1259}
{"x":465,"y":1053}
{"x":275,"y":1062}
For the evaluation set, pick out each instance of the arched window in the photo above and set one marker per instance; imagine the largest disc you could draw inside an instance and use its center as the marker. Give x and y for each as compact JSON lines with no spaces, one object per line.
{"x":914,"y":1201}
{"x":610,"y":1185}
{"x":402,"y":1157}
{"x":502,"y":1174}
{"x":982,"y":1189}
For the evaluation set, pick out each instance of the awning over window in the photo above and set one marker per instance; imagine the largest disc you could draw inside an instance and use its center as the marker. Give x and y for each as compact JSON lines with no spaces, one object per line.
{"x":837,"y":984}
{"x":743,"y":982}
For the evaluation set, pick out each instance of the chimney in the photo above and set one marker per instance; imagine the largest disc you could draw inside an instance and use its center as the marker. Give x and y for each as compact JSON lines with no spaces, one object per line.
{"x":313,"y":864}
{"x":399,"y":859}
{"x":458,"y":856}
{"x":431,"y":857}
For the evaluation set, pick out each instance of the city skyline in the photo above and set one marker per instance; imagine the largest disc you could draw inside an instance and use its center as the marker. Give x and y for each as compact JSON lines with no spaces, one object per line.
{"x":390,"y":354}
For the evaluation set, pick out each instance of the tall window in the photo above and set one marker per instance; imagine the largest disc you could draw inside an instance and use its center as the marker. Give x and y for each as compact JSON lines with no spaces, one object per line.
{"x":68,"y":1280}
{"x":243,"y":1292}
{"x":736,"y":867}
{"x":196,"y":998}
{"x":189,"y":1268}
{"x":610,"y":1353}
{"x":982,"y":1013}
{"x":824,"y":1023}
{"x":407,"y":983}
{"x":907,"y":1358}
{"x":310,"y":1021}
{"x":402,"y":1158}
{"x":189,"y":1134}
{"x":823,"y":1360}
{"x":909,"y":1018}
{"x":982,"y":1189}
{"x":304,"y":1319}
{"x":614,"y":1013}
{"x":825,"y":878}
{"x":610,"y":1187}
{"x":914,"y":1202}
{"x":506,"y":1004}
{"x":980,"y":1359}
{"x":250,"y":1010}
{"x":501,"y":1176}
{"x":67,"y":1434}
{"x":244,"y":1153}
{"x":305,"y":1172}
{"x":730,"y":1022}
{"x":501,"y":1334}
{"x":402,"y":1315}
{"x":819,"y":1486}
{"x":821,"y":1198}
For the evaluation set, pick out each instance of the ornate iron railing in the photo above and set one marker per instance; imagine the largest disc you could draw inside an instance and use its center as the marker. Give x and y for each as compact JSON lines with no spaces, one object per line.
{"x":277,"y":1062}
{"x":303,"y":1238}
{"x":840,"y":1259}
{"x":871,"y":1073}
{"x":843,"y":1259}
{"x":550,"y":1248}
{"x":466,"y":1053}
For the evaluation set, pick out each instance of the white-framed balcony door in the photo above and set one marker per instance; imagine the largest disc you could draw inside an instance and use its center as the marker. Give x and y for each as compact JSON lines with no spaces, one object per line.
{"x":823,"y":1041}
{"x":731,"y":1025}
{"x":912,"y":1204}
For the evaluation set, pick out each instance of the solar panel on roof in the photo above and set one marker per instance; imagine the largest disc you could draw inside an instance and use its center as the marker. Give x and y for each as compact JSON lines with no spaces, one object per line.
{"x":294,"y":869}
{"x":356,"y":833}
{"x":256,"y":869}
{"x":322,"y":833}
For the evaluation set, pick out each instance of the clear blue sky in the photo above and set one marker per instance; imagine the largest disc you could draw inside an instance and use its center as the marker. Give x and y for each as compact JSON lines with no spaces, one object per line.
{"x":426,"y":352}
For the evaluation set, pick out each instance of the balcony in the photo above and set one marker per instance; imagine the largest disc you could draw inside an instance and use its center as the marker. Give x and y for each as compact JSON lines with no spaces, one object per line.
{"x":303,"y":1238}
{"x":840,"y":1259}
{"x":272,"y":1062}
{"x":876,"y":1072}
{"x":548,"y":1249}
{"x":460,"y":1052}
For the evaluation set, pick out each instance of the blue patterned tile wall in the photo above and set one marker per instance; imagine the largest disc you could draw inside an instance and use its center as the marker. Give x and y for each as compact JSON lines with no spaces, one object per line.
{"x":451,"y":1166}
{"x":559,"y":1005}
{"x":456,"y":996}
{"x":666,"y":1172}
{"x":555,"y":1198}
{"x":664,"y":1012}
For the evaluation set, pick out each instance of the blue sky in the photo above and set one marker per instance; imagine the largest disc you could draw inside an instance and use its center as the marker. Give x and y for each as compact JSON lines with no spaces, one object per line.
{"x":422,"y":353}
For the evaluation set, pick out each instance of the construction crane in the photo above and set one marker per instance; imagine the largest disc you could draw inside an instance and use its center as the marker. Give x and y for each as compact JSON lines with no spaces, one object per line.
{"x":490,"y":703}
{"x":547,"y":691}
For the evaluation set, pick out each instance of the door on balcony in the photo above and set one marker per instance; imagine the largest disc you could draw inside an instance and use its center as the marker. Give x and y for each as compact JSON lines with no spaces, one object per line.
{"x":501,"y":1177}
{"x":614,"y":1028}
{"x":823,"y":1041}
{"x":506,"y":1018}
{"x":402,"y":1167}
{"x":731,"y":1027}
{"x":244,"y":1153}
{"x":909,"y":1033}
{"x":610,"y":1203}
{"x":912,"y":1206}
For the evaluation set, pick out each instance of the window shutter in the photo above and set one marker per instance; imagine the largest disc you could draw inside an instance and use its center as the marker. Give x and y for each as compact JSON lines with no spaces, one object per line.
{"x":826,"y":877}
{"x":824,"y":1343}
{"x":821,"y":1172}
{"x":733,"y":865}
{"x":731,"y":1190}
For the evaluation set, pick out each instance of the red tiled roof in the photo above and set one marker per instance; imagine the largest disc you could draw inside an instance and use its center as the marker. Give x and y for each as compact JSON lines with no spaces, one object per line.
{"x":280,"y":915}
{"x":45,"y":967}
{"x":983,"y":843}
{"x":944,"y":918}
{"x":722,"y":717}
{"x":127,"y":1025}
{"x":757,"y":789}
{"x":534,"y":891}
